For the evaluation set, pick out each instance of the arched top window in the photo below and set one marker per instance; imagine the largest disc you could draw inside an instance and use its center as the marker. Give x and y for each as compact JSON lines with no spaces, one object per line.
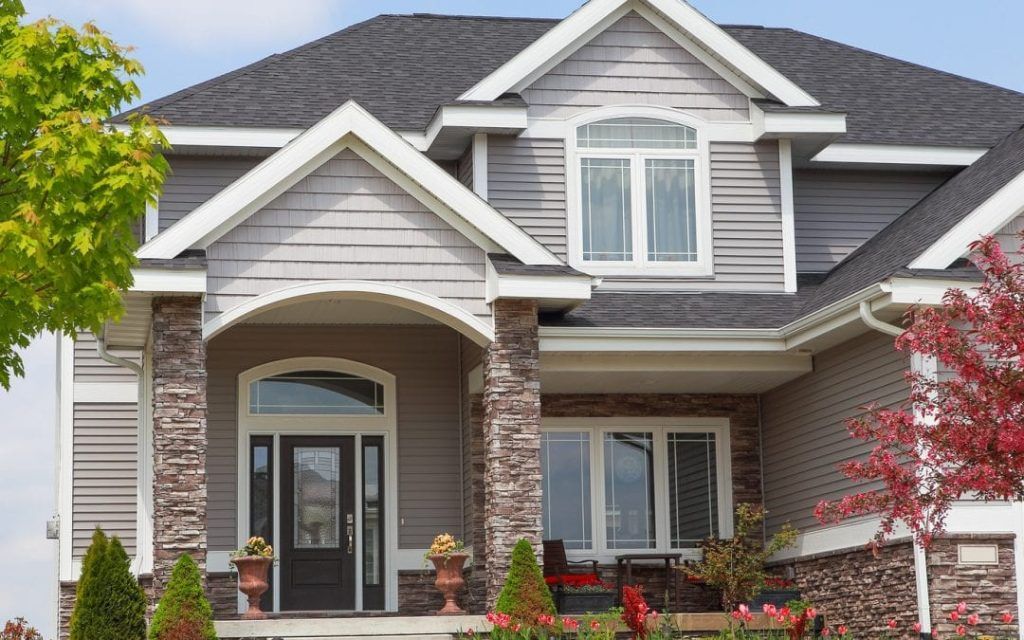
{"x":316,"y":393}
{"x":635,"y":133}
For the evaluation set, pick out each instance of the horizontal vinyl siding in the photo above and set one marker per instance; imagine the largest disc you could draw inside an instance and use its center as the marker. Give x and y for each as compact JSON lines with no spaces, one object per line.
{"x":526,"y":182}
{"x":632,"y":62}
{"x":345,"y":221}
{"x":89,"y":367}
{"x":838,"y":210}
{"x":425,"y":361}
{"x":105,"y":473}
{"x":464,"y":167}
{"x":804,"y":431}
{"x":746,"y":216}
{"x":193,"y":180}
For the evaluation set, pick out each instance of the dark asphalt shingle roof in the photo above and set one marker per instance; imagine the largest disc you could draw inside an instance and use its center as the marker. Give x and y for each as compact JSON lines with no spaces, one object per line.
{"x":908,"y":236}
{"x":403,"y":67}
{"x":507,"y":265}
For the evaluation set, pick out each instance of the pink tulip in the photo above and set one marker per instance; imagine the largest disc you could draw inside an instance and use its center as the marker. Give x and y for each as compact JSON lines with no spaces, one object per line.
{"x":826,"y":632}
{"x":973,"y":619}
{"x":892,"y":624}
{"x":1007,"y":617}
{"x":954,"y":616}
{"x":841,"y":629}
{"x":961,"y":630}
{"x":917,"y":627}
{"x":961,"y":608}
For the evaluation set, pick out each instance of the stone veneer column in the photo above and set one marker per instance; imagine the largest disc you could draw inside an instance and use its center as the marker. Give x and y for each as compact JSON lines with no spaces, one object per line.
{"x":179,"y":435}
{"x":511,"y":403}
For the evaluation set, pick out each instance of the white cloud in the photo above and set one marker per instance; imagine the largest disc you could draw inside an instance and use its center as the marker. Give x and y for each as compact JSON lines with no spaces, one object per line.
{"x":212,"y":25}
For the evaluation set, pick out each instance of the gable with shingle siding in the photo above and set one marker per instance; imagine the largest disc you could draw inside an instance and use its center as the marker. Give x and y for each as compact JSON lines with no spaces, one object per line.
{"x":345,"y":221}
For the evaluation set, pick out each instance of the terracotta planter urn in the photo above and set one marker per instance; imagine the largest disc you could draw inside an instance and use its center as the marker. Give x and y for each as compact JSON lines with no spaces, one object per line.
{"x":252,"y":581}
{"x":450,"y":581}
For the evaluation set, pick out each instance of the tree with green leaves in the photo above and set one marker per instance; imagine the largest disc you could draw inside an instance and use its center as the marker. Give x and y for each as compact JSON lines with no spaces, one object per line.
{"x":109,"y":602}
{"x":524,"y":595}
{"x":71,"y":185}
{"x":183,"y":610}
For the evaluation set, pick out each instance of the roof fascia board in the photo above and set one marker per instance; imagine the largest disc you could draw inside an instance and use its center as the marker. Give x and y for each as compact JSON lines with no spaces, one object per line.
{"x":238,"y":137}
{"x":477,"y":117}
{"x":800,"y":123}
{"x":924,"y":291}
{"x":594,"y":16}
{"x":319,"y":143}
{"x":899,"y":154}
{"x":673,"y":362}
{"x":169,"y":280}
{"x":561,"y":288}
{"x":992,"y":215}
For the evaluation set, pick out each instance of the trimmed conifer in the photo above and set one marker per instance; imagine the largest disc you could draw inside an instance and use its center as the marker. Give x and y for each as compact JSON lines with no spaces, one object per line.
{"x":183,"y":605}
{"x":109,"y":603}
{"x":525,"y":594}
{"x":126,"y":614}
{"x":84,"y":615}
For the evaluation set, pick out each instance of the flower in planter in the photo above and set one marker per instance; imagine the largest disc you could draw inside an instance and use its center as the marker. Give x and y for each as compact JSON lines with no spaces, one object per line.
{"x":445,"y":544}
{"x":255,"y":547}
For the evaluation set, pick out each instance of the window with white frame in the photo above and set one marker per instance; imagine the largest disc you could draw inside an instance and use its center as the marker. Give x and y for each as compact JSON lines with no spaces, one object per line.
{"x":617,"y":489}
{"x":639,"y":195}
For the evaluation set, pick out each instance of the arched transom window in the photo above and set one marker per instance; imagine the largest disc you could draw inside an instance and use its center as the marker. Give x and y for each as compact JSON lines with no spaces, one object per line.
{"x":638,"y":194}
{"x":316,"y":393}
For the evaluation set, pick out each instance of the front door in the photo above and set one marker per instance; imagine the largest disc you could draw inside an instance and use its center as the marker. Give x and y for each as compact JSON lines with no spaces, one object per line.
{"x":317,"y":545}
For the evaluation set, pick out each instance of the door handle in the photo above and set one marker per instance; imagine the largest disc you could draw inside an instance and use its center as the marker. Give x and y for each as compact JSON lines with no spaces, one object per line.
{"x":351,"y":541}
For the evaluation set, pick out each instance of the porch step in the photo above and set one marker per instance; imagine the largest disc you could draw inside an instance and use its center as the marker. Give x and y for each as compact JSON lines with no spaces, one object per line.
{"x":378,"y":628}
{"x":440,"y":636}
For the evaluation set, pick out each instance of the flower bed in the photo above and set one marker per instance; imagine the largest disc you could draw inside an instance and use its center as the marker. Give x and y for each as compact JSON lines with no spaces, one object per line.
{"x":581,"y":593}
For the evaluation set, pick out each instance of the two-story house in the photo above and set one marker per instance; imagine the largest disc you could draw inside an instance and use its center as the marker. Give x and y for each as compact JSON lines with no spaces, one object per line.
{"x":598,"y":279}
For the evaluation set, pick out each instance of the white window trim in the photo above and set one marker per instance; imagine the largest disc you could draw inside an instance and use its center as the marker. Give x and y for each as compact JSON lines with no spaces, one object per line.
{"x":323,"y":425}
{"x":640,"y":265}
{"x":660,"y":427}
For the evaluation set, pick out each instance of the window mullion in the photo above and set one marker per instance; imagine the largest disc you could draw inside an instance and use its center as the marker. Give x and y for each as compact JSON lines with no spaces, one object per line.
{"x":640,"y":230}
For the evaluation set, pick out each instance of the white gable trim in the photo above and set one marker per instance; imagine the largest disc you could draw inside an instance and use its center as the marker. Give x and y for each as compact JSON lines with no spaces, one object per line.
{"x":349,"y":126}
{"x":993,"y":214}
{"x":597,"y":15}
{"x":899,"y":154}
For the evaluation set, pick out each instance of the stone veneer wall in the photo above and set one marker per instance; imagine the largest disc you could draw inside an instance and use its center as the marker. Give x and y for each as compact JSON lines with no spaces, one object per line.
{"x":858,"y":589}
{"x":511,"y":404}
{"x":417,"y":595}
{"x":179,"y":434}
{"x":222,"y":591}
{"x":741,"y":410}
{"x":988,"y":590}
{"x":473,"y":493}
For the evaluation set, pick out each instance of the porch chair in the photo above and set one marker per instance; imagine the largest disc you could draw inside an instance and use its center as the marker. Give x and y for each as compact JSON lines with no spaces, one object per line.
{"x":556,"y":564}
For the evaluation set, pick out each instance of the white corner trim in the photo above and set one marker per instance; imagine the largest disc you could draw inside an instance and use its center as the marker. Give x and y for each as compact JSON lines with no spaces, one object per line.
{"x":161,"y":280}
{"x":899,"y":154}
{"x":113,"y":392}
{"x":788,"y":214}
{"x":481,"y":177}
{"x":431,"y":306}
{"x":591,"y":17}
{"x":65,"y":454}
{"x":992,"y":215}
{"x":346,"y":127}
{"x":798,"y":123}
{"x":151,"y":222}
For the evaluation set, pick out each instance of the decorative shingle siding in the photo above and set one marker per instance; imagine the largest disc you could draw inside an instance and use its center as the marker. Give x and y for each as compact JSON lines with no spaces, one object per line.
{"x":1009,"y":236}
{"x":804,"y":425}
{"x":193,"y":180}
{"x":526,"y":182}
{"x":837,"y":211}
{"x":345,"y":221}
{"x":632,"y":62}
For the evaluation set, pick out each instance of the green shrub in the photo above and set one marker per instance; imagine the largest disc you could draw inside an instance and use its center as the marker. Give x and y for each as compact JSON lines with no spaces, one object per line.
{"x":109,"y":603}
{"x":525,"y":595}
{"x":183,"y":605}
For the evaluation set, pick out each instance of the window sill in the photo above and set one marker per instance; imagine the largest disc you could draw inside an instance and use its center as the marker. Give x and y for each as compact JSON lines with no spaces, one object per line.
{"x":690,"y":273}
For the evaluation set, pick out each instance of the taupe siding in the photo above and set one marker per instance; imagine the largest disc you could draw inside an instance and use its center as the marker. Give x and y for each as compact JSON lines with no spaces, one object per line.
{"x":526,"y":182}
{"x":425,"y":361}
{"x":195,"y":179}
{"x":1009,"y":236}
{"x":89,"y":367}
{"x":464,"y":167}
{"x":347,"y":221}
{"x":838,"y":210}
{"x":105,"y":474}
{"x":632,"y":62}
{"x":804,"y":435}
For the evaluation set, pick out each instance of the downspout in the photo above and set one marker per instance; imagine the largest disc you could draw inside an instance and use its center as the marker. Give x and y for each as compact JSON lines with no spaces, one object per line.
{"x":924,"y":616}
{"x":101,"y":349}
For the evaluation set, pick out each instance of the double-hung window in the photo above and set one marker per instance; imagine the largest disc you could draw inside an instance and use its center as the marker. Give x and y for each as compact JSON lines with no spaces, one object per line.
{"x":611,"y":487}
{"x":640,"y":197}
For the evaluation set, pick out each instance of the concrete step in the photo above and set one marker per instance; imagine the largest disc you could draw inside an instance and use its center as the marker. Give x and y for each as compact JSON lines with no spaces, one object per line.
{"x":377,"y":628}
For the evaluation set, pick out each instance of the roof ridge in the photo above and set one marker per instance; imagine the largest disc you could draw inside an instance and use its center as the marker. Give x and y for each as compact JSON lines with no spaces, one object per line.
{"x":190,"y":91}
{"x":468,"y":16}
{"x":890,"y":58}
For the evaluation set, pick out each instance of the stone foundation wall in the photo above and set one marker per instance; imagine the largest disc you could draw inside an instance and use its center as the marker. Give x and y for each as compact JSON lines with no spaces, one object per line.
{"x":222,"y":591}
{"x":858,"y":589}
{"x":66,"y":603}
{"x":988,"y":590}
{"x":417,"y":595}
{"x":741,"y":410}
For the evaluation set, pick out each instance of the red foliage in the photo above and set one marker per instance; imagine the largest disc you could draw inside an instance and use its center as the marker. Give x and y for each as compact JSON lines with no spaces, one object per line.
{"x":17,"y":630}
{"x":962,"y":433}
{"x":577,"y":580}
{"x":635,"y":610}
{"x":185,"y":628}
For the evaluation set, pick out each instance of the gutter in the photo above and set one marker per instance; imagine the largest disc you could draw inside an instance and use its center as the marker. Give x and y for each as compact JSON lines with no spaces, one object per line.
{"x":878,"y":325}
{"x":141,"y":550}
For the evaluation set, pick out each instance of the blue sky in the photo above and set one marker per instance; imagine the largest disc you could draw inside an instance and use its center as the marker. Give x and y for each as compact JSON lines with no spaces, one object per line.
{"x":188,"y":41}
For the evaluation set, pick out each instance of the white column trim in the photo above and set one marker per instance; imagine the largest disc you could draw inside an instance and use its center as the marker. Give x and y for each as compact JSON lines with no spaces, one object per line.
{"x":926,"y":366}
{"x":788,"y":214}
{"x":144,"y":505}
{"x":65,"y":454}
{"x":480,"y":168}
{"x":151,"y":221}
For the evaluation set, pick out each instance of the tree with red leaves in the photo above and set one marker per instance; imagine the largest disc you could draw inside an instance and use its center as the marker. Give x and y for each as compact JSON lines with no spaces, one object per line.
{"x":18,"y":629}
{"x":960,"y":434}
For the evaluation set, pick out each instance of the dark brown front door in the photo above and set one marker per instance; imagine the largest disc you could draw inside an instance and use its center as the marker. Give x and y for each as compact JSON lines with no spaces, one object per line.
{"x":318,"y":570}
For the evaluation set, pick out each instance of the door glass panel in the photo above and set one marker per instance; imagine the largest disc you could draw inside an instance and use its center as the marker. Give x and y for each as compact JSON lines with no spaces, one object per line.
{"x":261,"y":499}
{"x":371,"y":515}
{"x":629,"y":490}
{"x":317,"y":509}
{"x":565,"y":466}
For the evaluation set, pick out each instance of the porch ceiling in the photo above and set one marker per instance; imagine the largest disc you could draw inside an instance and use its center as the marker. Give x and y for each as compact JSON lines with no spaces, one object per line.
{"x":343,"y":311}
